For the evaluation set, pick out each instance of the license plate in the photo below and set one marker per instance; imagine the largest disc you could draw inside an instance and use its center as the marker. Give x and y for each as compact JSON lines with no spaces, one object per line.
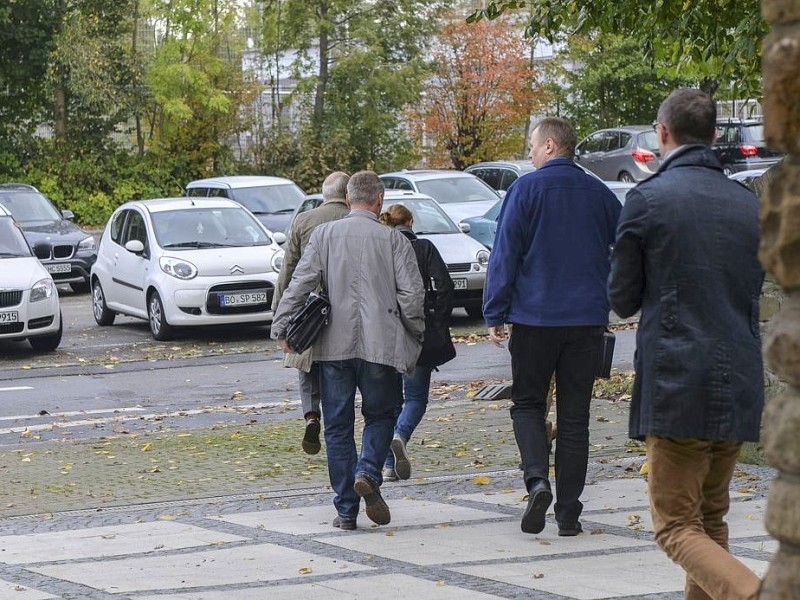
{"x":460,"y":284}
{"x":59,"y":268}
{"x":9,"y":317}
{"x":243,"y":299}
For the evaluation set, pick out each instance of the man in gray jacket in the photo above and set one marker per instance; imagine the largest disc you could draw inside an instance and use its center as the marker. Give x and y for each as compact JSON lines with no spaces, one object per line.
{"x":333,"y":208}
{"x":375,"y":331}
{"x":686,"y":254}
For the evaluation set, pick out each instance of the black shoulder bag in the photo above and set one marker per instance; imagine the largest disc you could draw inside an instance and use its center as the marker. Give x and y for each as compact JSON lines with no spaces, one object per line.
{"x":306,"y":326}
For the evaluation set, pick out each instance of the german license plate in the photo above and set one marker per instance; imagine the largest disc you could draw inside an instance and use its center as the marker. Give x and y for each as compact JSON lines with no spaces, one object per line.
{"x":59,"y":268}
{"x":243,"y":298}
{"x":460,"y":283}
{"x":9,"y":317}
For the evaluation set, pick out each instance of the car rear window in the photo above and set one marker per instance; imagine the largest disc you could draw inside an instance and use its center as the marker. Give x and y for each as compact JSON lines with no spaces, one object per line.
{"x":649,"y":140}
{"x":753,"y":133}
{"x":269,"y":199}
{"x":457,"y":189}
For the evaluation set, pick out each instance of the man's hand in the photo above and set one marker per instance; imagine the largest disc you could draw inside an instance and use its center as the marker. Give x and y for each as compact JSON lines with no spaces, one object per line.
{"x":285,"y":347}
{"x":498,"y":335}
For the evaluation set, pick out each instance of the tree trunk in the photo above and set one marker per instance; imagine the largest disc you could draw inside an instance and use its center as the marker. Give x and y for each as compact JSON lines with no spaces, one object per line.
{"x":779,"y":240}
{"x":134,"y":54}
{"x":322,"y":79}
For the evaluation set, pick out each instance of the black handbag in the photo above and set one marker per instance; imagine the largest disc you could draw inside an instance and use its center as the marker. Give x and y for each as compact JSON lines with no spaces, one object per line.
{"x":606,"y":355}
{"x":305,"y":327}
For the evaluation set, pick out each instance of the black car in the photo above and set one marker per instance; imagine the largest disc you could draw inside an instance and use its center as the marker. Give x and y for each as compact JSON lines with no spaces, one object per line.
{"x":66,"y":251}
{"x":740,"y":146}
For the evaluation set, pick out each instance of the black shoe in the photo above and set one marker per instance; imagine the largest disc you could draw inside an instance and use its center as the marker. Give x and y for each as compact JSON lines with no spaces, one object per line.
{"x":377,"y":509}
{"x":539,"y":499}
{"x":345,"y":524}
{"x":402,"y":466}
{"x":570,"y":530}
{"x":311,"y":443}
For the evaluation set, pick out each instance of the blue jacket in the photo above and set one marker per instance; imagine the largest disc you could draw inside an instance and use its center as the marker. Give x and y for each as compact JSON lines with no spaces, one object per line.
{"x":550,"y":260}
{"x":687,"y":256}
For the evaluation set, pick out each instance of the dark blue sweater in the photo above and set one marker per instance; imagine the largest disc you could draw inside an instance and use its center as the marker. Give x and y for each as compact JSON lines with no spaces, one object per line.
{"x":550,"y":260}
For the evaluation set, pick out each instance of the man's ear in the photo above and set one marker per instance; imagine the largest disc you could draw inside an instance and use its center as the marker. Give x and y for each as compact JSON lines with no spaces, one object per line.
{"x":347,"y":200}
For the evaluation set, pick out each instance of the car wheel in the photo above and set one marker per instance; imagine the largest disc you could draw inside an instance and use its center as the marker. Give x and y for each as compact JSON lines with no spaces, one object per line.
{"x":80,"y":287}
{"x":102,"y":315}
{"x":475,"y":311}
{"x":161,"y":330}
{"x":727,"y":170}
{"x":49,"y":342}
{"x":626,"y":177}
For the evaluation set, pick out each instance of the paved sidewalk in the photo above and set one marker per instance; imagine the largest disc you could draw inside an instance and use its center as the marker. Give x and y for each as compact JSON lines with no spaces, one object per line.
{"x":450,"y":537}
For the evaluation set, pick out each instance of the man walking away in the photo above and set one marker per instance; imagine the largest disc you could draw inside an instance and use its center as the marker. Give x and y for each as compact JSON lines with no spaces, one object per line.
{"x":547,"y":277}
{"x":334,"y":207}
{"x":375,"y":331}
{"x":686,"y":255}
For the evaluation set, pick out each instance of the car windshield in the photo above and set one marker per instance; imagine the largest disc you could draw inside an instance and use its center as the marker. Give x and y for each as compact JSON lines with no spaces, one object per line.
{"x":457,"y":189}
{"x":494,"y":212}
{"x":29,"y":207}
{"x":649,"y":140}
{"x":269,"y":199}
{"x":754,"y":132}
{"x":208,"y":228}
{"x":12,"y":242}
{"x":429,"y":218}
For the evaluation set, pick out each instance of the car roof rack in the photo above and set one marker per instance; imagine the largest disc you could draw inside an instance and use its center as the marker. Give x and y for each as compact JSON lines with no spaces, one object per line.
{"x":18,"y":187}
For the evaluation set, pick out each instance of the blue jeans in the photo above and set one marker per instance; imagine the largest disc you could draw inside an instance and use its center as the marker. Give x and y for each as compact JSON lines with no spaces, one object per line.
{"x":380,"y":403}
{"x":415,"y":389}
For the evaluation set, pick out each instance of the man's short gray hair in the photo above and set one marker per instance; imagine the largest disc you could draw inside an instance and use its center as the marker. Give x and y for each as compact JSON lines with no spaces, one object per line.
{"x":335,"y":185}
{"x":364,"y":188}
{"x":561,"y":131}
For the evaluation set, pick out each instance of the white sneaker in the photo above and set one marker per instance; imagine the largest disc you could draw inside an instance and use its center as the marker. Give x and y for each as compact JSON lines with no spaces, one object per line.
{"x":389,"y":474}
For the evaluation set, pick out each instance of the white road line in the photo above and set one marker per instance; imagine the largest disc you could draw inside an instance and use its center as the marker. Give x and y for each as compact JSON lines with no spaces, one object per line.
{"x":122,"y":418}
{"x":16,"y":389}
{"x":75,"y":413}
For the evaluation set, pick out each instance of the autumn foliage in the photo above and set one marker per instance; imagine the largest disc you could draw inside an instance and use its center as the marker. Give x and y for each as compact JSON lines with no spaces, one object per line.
{"x":481,"y":95}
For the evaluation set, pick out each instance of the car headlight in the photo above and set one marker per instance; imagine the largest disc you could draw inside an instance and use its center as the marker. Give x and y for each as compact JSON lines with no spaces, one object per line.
{"x":181,"y":269}
{"x":482,"y":257}
{"x":87,"y":244}
{"x":42,"y":290}
{"x":277,"y":261}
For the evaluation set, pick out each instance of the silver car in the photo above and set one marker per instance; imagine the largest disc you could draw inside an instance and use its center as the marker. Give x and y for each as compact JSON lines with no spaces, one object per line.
{"x":620,"y":154}
{"x":465,"y":257}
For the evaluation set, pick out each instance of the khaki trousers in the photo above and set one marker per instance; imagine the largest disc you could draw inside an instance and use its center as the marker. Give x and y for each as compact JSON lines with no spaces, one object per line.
{"x":688,"y":485}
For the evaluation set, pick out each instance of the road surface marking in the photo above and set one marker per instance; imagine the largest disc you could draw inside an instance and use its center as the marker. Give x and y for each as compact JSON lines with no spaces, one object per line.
{"x":16,"y":389}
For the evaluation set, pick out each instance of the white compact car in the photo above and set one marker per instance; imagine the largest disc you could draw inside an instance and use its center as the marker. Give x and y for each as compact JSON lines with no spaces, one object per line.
{"x":29,"y":306}
{"x":183,"y":262}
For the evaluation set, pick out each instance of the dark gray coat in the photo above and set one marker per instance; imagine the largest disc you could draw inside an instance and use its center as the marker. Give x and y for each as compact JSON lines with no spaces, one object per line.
{"x":687,"y":255}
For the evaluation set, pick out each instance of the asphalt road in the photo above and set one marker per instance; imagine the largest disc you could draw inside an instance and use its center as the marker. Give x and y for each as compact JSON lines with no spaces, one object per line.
{"x":104,"y":380}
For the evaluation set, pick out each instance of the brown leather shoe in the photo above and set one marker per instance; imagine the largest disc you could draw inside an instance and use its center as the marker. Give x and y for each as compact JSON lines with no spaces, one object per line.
{"x":345,"y":524}
{"x":377,"y":509}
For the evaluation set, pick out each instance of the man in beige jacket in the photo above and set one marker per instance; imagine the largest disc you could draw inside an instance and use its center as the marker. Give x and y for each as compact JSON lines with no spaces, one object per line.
{"x":334,"y":207}
{"x":375,"y":331}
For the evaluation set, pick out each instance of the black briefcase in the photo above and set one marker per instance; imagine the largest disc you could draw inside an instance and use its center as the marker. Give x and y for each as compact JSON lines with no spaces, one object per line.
{"x":305,"y":327}
{"x":606,"y":355}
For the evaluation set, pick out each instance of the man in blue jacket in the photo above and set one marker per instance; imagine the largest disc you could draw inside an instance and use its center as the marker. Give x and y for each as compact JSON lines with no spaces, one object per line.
{"x":687,"y":256}
{"x":547,"y":278}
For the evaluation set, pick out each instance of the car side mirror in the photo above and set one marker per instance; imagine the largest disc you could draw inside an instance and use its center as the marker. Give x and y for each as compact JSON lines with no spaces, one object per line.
{"x":42,"y":251}
{"x":135,"y":246}
{"x":68,"y":215}
{"x":464,"y":227}
{"x":279,"y":237}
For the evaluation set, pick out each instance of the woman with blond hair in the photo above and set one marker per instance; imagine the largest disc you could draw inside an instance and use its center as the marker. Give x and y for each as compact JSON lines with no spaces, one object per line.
{"x":437,"y":348}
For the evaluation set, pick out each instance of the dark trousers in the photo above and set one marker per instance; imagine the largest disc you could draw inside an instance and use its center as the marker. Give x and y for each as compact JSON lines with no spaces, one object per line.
{"x":572,"y":353}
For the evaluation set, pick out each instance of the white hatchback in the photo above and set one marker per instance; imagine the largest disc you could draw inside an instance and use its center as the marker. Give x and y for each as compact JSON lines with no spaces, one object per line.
{"x":29,"y":306}
{"x":183,"y":262}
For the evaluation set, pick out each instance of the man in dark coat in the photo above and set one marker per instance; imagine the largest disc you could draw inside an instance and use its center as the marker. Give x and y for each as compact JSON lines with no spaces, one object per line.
{"x":686,"y":255}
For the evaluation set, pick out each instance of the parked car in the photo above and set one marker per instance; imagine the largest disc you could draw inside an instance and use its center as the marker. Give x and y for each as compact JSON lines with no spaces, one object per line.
{"x":740,"y":146}
{"x":460,"y":194}
{"x":66,"y":251}
{"x":185,"y":261}
{"x":621,"y":153}
{"x":484,"y":228}
{"x":466,"y":259}
{"x":29,"y":307}
{"x":271,"y":199}
{"x":748,"y":178}
{"x":500,"y":174}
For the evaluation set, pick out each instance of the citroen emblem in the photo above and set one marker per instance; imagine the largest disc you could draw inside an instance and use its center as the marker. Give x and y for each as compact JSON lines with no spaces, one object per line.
{"x":236,"y":269}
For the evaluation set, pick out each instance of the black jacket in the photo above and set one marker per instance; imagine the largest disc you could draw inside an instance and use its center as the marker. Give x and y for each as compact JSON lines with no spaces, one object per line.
{"x":438,"y":347}
{"x":686,"y":254}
